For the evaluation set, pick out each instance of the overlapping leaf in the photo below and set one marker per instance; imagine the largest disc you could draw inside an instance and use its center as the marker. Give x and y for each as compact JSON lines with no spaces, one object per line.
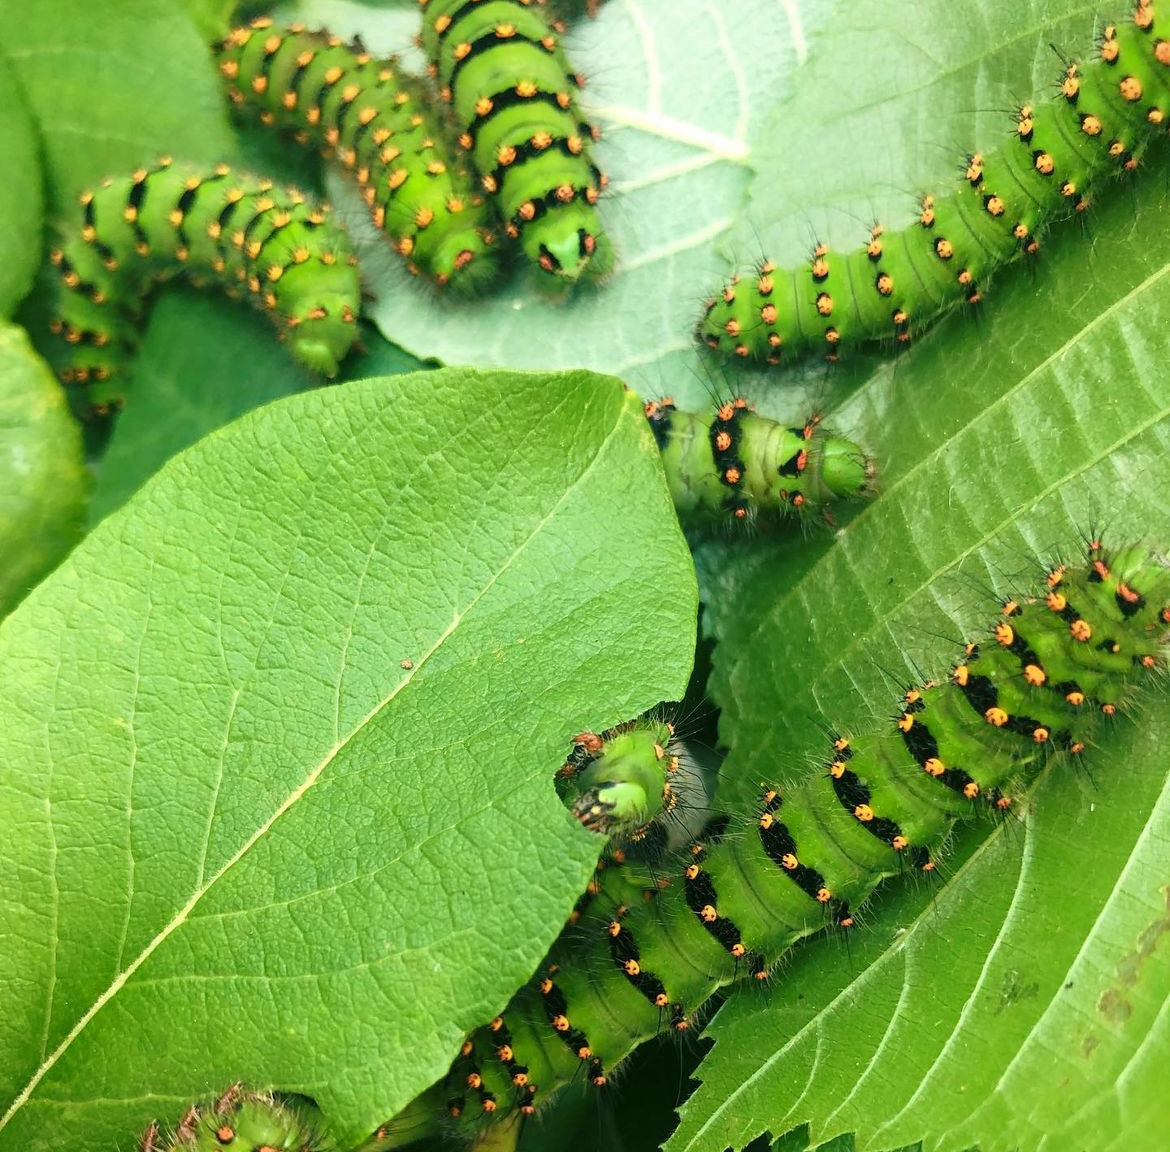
{"x":278,"y":744}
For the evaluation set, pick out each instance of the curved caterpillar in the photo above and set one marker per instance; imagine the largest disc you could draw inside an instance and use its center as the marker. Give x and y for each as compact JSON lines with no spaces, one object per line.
{"x":274,"y":243}
{"x":734,"y":465}
{"x":239,"y":1121}
{"x":1106,"y":114}
{"x":501,"y":68}
{"x":375,"y":120}
{"x":1053,"y":667}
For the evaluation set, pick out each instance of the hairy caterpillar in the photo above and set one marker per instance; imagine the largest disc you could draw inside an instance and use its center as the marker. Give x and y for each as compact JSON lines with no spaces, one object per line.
{"x":1106,"y":114}
{"x":501,"y":68}
{"x":735,"y":465}
{"x":375,"y":120}
{"x":1053,"y":667}
{"x":239,"y":1121}
{"x":273,"y":243}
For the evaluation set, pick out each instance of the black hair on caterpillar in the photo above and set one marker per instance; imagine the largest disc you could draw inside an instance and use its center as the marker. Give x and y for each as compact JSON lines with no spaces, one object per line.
{"x":273,"y":243}
{"x":240,"y":1121}
{"x":1106,"y":114}
{"x":735,"y":466}
{"x":501,"y":68}
{"x":375,"y":120}
{"x":1054,"y":667}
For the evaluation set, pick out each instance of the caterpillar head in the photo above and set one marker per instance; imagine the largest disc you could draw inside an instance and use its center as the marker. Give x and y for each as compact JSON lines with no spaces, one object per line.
{"x":322,"y":336}
{"x":620,"y":779}
{"x":568,"y":245}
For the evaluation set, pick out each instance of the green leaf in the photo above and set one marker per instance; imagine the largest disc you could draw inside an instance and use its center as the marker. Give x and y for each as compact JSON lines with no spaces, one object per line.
{"x":213,"y":18}
{"x":21,"y":200}
{"x":112,"y":84}
{"x":43,"y":482}
{"x":280,"y":740}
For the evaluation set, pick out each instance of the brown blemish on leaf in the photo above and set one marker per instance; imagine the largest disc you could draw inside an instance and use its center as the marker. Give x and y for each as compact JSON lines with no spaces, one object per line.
{"x":1114,"y":1003}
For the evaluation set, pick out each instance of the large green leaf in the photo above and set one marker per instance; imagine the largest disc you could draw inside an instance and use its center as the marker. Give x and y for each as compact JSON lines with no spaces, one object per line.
{"x":279,"y":742}
{"x":43,"y":482}
{"x":179,"y":386}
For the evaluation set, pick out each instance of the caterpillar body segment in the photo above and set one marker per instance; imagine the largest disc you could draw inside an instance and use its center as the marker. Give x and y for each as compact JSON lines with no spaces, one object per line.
{"x":377,"y":123}
{"x":274,"y":245}
{"x":1105,"y":115}
{"x":733,"y":465}
{"x":500,"y":66}
{"x":1052,"y":669}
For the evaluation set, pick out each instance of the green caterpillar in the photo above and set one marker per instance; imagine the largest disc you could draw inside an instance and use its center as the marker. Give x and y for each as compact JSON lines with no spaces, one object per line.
{"x":1052,"y":667}
{"x":240,"y":1121}
{"x":500,"y":66}
{"x":273,"y":243}
{"x":1106,"y":114}
{"x":375,"y":120}
{"x":736,"y":466}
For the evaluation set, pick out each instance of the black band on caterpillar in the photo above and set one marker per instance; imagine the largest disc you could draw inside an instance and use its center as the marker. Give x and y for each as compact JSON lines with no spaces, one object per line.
{"x":273,"y":243}
{"x":239,"y":1121}
{"x":501,"y":67}
{"x":1051,"y":668}
{"x":1097,"y":128}
{"x":374,"y":119}
{"x":734,"y":465}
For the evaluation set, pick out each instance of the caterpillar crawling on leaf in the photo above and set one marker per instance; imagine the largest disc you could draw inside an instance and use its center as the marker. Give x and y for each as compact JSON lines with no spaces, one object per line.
{"x":501,"y":68}
{"x":734,"y":466}
{"x":273,"y":244}
{"x":1106,"y":114}
{"x":1053,"y":670}
{"x":376,"y":121}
